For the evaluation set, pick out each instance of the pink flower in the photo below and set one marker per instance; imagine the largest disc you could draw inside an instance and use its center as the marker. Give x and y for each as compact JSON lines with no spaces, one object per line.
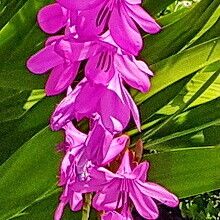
{"x":118,"y":16}
{"x":53,"y":17}
{"x":113,"y":103}
{"x":113,"y":215}
{"x":134,"y":72}
{"x":63,"y":72}
{"x":101,"y":147}
{"x":63,"y":55}
{"x":83,"y":151}
{"x":127,"y":185}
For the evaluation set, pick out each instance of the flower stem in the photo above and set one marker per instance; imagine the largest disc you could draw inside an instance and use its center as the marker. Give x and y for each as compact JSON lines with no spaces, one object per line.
{"x":87,"y":206}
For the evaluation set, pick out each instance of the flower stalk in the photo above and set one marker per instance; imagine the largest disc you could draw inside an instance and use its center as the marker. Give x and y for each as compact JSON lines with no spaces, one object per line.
{"x":87,"y":206}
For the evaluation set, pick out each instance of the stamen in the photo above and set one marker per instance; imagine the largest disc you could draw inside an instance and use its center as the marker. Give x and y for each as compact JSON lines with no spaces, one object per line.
{"x":99,"y":15}
{"x":99,"y":61}
{"x":104,"y":60}
{"x":102,"y":15}
{"x":105,"y":12}
{"x":109,"y":63}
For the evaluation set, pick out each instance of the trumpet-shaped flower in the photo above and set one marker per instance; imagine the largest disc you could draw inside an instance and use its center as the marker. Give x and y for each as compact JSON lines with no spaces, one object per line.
{"x":119,"y":189}
{"x":63,"y":55}
{"x":82,"y":151}
{"x":113,"y":103}
{"x":119,"y":16}
{"x":101,"y":146}
{"x":63,"y":71}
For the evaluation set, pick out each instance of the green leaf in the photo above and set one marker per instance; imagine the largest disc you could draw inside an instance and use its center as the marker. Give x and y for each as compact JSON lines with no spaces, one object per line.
{"x":160,"y":99}
{"x":184,"y":105}
{"x":196,"y":82}
{"x":21,"y":37}
{"x":8,"y":9}
{"x":30,"y":174}
{"x":211,"y":33}
{"x":174,"y":37}
{"x":211,"y":135}
{"x":45,"y":208}
{"x":186,"y":172}
{"x":209,"y":25}
{"x":12,"y":106}
{"x":187,"y":123}
{"x":169,"y":131}
{"x":172,"y":17}
{"x":176,"y":67}
{"x":155,"y":6}
{"x":15,"y":132}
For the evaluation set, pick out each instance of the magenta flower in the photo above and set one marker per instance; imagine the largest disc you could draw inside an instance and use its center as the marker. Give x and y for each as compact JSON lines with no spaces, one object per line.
{"x":63,"y":71}
{"x":101,"y":147}
{"x":98,"y":147}
{"x":113,"y":103}
{"x":118,"y":16}
{"x":74,"y":151}
{"x":113,"y":215}
{"x":52,"y":18}
{"x":134,"y":72}
{"x":82,"y":151}
{"x":92,"y":32}
{"x":127,"y":185}
{"x":63,"y":56}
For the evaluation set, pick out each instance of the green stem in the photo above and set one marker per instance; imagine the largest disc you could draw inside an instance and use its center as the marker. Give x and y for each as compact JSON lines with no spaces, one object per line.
{"x":87,"y":206}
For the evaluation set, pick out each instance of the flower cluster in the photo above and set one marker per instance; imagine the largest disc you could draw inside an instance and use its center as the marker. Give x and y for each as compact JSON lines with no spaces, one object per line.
{"x":102,"y":37}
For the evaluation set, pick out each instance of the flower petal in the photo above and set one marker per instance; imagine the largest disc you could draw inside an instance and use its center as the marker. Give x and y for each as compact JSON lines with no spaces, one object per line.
{"x":59,"y":211}
{"x":98,"y":142}
{"x":74,"y":137}
{"x":140,"y":171}
{"x":121,"y":24}
{"x":76,"y":51}
{"x":97,"y":180}
{"x":144,"y":204}
{"x":112,"y":216}
{"x":143,"y":19}
{"x":53,"y":40}
{"x":64,"y":112}
{"x":111,"y":107}
{"x":142,"y":66}
{"x":89,"y":27}
{"x":134,"y":110}
{"x":76,"y":201}
{"x":117,"y":146}
{"x":51,"y":18}
{"x":134,"y":2}
{"x":99,"y":69}
{"x":61,"y":77}
{"x":107,"y":199}
{"x":87,"y":101}
{"x":125,"y":167}
{"x":132,"y":74}
{"x":158,"y":192}
{"x":44,"y":60}
{"x":80,"y":4}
